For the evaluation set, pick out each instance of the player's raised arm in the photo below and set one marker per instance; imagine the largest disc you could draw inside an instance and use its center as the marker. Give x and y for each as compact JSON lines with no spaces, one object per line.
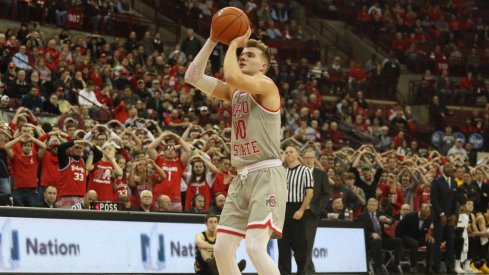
{"x":195,"y":74}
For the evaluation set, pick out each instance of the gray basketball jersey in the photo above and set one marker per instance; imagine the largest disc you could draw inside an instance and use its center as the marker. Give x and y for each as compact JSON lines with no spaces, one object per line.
{"x":255,"y":134}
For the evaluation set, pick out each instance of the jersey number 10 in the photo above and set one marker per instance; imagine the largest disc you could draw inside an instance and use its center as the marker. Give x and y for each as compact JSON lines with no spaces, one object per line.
{"x":240,"y":129}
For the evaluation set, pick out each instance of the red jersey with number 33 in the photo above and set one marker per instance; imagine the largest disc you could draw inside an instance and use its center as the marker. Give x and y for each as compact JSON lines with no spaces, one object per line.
{"x":73,"y":181}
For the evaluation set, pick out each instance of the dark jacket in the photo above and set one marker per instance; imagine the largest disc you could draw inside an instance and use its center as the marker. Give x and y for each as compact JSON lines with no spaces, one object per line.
{"x":409,"y":226}
{"x":369,"y":225}
{"x":443,"y":198}
{"x":322,"y":191}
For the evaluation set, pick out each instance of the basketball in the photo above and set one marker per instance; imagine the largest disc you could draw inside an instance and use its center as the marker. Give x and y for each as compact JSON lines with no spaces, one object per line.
{"x":229,"y":23}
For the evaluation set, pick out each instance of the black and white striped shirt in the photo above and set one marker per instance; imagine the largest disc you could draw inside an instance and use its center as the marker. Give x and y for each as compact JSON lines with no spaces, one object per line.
{"x":299,"y":179}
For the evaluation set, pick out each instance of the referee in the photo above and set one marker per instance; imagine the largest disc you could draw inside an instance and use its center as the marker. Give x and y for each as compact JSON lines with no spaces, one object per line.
{"x":300,"y":191}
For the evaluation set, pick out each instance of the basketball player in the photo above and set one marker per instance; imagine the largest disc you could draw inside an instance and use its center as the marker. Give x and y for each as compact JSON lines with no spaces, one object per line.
{"x":205,"y":264}
{"x":255,"y":206}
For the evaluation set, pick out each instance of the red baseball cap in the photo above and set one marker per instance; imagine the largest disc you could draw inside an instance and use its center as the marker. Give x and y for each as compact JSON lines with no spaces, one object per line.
{"x":11,"y":64}
{"x":103,"y":55}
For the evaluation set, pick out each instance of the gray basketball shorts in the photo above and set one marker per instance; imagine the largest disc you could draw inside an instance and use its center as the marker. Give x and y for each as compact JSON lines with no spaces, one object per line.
{"x":255,"y":201}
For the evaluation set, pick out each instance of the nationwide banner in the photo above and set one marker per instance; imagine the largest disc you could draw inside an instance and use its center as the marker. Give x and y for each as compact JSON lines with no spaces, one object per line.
{"x":32,"y":245}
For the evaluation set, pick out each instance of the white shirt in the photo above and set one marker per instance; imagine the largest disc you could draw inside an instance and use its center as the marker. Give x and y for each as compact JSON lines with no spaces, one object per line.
{"x":88,"y":98}
{"x":21,"y":61}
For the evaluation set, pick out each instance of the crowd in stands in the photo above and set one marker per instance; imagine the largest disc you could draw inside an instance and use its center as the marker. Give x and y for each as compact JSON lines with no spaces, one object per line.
{"x":139,"y":83}
{"x":96,"y":16}
{"x":445,"y":40}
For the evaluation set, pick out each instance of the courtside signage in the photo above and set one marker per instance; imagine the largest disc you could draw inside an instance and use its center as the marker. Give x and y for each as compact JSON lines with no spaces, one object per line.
{"x":30,"y":245}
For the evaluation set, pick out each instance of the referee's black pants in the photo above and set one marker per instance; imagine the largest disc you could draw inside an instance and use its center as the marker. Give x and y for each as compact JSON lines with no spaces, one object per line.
{"x":293,"y":238}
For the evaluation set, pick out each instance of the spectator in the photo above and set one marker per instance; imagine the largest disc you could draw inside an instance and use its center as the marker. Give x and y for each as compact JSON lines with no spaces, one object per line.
{"x":191,"y":44}
{"x":144,"y":176}
{"x":102,"y":173}
{"x":25,"y":163}
{"x":85,"y":204}
{"x":72,"y":183}
{"x":376,"y":237}
{"x":217,"y":203}
{"x":21,"y":59}
{"x":50,"y":173}
{"x":415,"y":235}
{"x":173,"y":165}
{"x":197,"y":204}
{"x":280,"y":13}
{"x":391,"y":72}
{"x":19,"y":87}
{"x":177,"y":54}
{"x":437,"y":113}
{"x":337,"y":211}
{"x":146,"y":199}
{"x":466,"y":89}
{"x":32,"y":101}
{"x":458,"y":151}
{"x":131,"y":43}
{"x":164,"y":203}
{"x":199,"y":180}
{"x":61,"y":8}
{"x":49,"y":197}
{"x":366,"y":180}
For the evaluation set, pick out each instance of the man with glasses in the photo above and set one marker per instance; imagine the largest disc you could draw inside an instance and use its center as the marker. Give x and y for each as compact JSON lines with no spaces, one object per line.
{"x":321,"y":193}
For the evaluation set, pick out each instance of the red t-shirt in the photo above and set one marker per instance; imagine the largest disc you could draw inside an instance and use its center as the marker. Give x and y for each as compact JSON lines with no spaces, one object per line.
{"x":198,"y":187}
{"x":73,"y":180}
{"x":396,"y":200}
{"x":218,"y":185}
{"x":101,"y":180}
{"x":50,"y":174}
{"x":171,"y":185}
{"x":25,"y":169}
{"x":357,"y":73}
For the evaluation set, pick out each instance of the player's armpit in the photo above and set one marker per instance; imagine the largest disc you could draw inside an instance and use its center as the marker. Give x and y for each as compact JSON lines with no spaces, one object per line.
{"x":222,"y":91}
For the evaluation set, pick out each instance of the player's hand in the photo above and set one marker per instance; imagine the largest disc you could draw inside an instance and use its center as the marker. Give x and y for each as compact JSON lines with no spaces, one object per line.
{"x":298,"y":215}
{"x":240,"y":41}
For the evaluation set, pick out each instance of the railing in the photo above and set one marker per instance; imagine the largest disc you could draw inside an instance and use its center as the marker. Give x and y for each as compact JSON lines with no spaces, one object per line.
{"x":337,"y":39}
{"x":330,"y":34}
{"x":348,"y":15}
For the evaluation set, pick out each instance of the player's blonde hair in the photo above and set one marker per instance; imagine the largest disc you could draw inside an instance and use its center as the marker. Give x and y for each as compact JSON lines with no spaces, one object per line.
{"x":253,"y":43}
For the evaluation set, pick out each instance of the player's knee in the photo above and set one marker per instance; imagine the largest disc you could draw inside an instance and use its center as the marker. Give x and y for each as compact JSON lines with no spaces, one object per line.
{"x":252,"y":249}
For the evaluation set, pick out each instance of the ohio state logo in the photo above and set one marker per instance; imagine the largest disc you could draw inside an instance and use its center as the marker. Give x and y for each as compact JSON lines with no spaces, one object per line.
{"x":271,"y":201}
